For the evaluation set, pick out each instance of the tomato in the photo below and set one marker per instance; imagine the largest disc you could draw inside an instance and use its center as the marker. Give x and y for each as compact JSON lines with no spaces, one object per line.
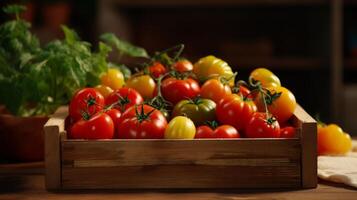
{"x":104,"y":90}
{"x":157,"y":69}
{"x":124,"y":98}
{"x":175,"y":90}
{"x":180,"y":127}
{"x":198,"y":110}
{"x":283,"y":107}
{"x":144,"y":84}
{"x":86,"y":100}
{"x":288,"y":132}
{"x":115,"y":115}
{"x":265,"y":76}
{"x":183,"y":66}
{"x":224,"y":131}
{"x":214,"y":89}
{"x":210,"y":67}
{"x":99,"y":126}
{"x":235,"y":111}
{"x":261,"y":127}
{"x":142,"y":122}
{"x":331,"y":140}
{"x":245,"y":92}
{"x":113,"y":78}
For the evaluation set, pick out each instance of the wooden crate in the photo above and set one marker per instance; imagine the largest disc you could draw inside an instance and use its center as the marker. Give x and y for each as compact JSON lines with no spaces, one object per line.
{"x":213,"y":163}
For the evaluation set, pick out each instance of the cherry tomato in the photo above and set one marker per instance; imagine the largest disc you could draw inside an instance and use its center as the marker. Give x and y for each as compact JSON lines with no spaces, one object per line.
{"x":175,"y":90}
{"x":224,"y":131}
{"x":142,"y":122}
{"x":331,"y":140}
{"x":144,"y":84}
{"x":245,"y":92}
{"x":86,"y":100}
{"x":104,"y":90}
{"x":260,"y":126}
{"x":233,"y":110}
{"x":265,"y":76}
{"x":214,"y":89}
{"x":283,"y":107}
{"x":183,"y":66}
{"x":100,"y":126}
{"x":115,"y":114}
{"x":124,"y":98}
{"x":180,"y":127}
{"x":287,"y":132}
{"x":157,"y":69}
{"x":198,"y":110}
{"x":113,"y":78}
{"x":210,"y":67}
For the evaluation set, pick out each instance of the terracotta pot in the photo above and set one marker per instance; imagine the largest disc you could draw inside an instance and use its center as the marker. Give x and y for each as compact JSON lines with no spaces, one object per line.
{"x":22,"y":138}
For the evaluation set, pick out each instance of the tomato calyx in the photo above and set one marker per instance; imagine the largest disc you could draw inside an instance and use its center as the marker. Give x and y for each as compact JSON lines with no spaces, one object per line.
{"x":213,"y":124}
{"x":142,"y":116}
{"x":159,"y":102}
{"x":164,"y":57}
{"x":270,"y":120}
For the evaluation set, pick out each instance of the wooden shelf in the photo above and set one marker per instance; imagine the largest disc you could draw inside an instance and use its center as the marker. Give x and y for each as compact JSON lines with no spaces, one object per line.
{"x":155,"y":3}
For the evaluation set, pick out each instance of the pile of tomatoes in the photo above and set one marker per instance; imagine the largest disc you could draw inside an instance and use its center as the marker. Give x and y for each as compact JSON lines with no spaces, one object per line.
{"x":174,"y":99}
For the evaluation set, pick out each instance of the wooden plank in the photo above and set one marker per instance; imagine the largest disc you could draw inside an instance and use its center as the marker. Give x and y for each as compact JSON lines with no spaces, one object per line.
{"x":181,"y":163}
{"x":179,"y":150}
{"x":182,"y":176}
{"x":53,"y":129}
{"x":308,"y":148}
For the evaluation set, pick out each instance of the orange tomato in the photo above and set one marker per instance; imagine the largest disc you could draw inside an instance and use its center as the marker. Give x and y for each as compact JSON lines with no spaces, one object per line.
{"x":283,"y":107}
{"x":183,"y":66}
{"x":215,"y":90}
{"x":331,"y":140}
{"x":144,"y":84}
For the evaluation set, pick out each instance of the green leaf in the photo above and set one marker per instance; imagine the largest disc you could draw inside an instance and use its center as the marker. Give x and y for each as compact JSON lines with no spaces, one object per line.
{"x":14,"y":9}
{"x":123,"y":47}
{"x":70,"y":35}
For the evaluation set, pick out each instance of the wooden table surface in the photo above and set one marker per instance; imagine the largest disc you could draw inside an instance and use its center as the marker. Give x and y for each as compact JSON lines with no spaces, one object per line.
{"x":27,"y":182}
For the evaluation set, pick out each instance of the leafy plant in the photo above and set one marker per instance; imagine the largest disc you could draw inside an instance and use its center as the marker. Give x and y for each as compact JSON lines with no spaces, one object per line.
{"x":35,"y":80}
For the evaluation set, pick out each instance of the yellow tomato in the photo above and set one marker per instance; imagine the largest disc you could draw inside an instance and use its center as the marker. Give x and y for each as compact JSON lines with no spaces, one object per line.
{"x":144,"y":84}
{"x":113,"y":78}
{"x":282,"y":107}
{"x":266,"y":77}
{"x":331,"y":140}
{"x":180,"y":128}
{"x":210,"y":67}
{"x":104,"y":90}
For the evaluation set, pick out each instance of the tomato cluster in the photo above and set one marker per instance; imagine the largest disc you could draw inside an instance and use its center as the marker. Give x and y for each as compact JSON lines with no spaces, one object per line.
{"x":174,"y":99}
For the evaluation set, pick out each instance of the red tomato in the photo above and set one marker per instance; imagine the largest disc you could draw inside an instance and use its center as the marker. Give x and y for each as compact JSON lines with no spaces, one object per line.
{"x":183,"y":66}
{"x":287,"y":132}
{"x":115,"y":114}
{"x":142,"y":122}
{"x":157,"y":69}
{"x":124,"y":98}
{"x":224,"y":131}
{"x":86,"y":100}
{"x":233,"y":110}
{"x":175,"y":90}
{"x":261,"y":127}
{"x":100,"y":126}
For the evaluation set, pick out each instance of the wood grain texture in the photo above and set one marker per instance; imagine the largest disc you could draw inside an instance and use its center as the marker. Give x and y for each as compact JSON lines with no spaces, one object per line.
{"x":308,"y":148}
{"x":53,"y":130}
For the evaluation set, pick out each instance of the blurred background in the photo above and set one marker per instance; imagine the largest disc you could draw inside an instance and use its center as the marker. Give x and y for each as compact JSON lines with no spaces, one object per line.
{"x":310,"y":44}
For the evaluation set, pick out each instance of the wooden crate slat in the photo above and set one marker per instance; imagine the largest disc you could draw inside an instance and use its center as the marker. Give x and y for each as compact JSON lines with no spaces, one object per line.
{"x":182,"y":176}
